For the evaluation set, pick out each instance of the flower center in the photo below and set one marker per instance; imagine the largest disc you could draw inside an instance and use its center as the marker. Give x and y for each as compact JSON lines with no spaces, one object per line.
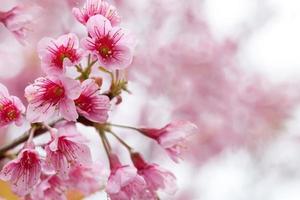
{"x":53,"y":92}
{"x":61,"y":53}
{"x":105,"y":47}
{"x":8,"y":111}
{"x":105,"y":51}
{"x":84,"y":103}
{"x":28,"y":159}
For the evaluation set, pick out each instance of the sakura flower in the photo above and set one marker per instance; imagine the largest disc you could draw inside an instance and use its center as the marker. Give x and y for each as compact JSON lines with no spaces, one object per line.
{"x":110,"y":44}
{"x":91,"y":104}
{"x":24,"y":172}
{"x":155,"y":177}
{"x":84,"y":179}
{"x":11,"y":108}
{"x":50,"y":188}
{"x":172,"y":137}
{"x":17,"y":22}
{"x":50,"y":95}
{"x":125,"y":184}
{"x":94,"y":7}
{"x":60,"y":53}
{"x":67,"y":149}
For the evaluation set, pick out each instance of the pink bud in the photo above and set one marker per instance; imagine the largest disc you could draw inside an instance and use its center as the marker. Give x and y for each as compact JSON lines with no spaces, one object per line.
{"x":172,"y":137}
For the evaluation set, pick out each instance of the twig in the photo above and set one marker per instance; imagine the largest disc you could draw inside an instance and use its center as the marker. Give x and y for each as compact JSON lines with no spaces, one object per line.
{"x":38,"y":131}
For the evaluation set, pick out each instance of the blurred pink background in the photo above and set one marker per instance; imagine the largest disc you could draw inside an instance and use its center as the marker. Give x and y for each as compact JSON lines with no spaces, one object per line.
{"x":229,"y":66}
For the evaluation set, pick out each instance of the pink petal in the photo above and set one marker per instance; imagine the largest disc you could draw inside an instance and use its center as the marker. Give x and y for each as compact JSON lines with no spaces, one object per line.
{"x":18,"y":103}
{"x":98,"y":25}
{"x":67,"y":109}
{"x":43,"y":46}
{"x":72,"y":87}
{"x":58,"y":161}
{"x":81,"y":152}
{"x":3,"y":91}
{"x":68,"y":39}
{"x":122,"y":59}
{"x":7,"y":171}
{"x":78,"y":15}
{"x":39,"y":114}
{"x":87,"y":43}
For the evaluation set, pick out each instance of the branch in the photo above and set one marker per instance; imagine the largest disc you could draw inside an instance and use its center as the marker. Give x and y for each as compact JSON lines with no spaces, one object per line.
{"x":39,"y":131}
{"x":19,"y":141}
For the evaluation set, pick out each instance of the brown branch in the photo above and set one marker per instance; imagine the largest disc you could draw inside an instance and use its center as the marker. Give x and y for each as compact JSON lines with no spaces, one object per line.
{"x":39,"y":131}
{"x":19,"y":141}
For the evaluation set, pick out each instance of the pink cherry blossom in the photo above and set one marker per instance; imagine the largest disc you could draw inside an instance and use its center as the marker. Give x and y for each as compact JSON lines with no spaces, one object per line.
{"x":110,"y":44}
{"x":60,"y":53}
{"x":50,"y":188}
{"x":125,"y":184}
{"x":155,"y":177}
{"x":17,"y":22}
{"x":172,"y":137}
{"x":24,"y":172}
{"x":91,"y":104}
{"x":11,"y":108}
{"x":67,"y":149}
{"x":94,"y":7}
{"x":87,"y":179}
{"x":50,"y":95}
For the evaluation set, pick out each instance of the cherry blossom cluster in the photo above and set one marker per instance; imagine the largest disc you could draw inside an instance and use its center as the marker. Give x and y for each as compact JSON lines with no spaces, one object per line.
{"x":70,"y":94}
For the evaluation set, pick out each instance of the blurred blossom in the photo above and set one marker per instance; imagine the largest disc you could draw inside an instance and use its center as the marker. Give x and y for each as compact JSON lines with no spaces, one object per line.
{"x":11,"y":108}
{"x":95,"y":7}
{"x":17,"y":22}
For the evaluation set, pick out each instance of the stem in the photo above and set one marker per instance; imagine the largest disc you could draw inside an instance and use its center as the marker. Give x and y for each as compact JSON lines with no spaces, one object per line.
{"x":105,"y":143}
{"x":126,"y":127}
{"x":89,"y":60}
{"x":85,"y":73}
{"x":79,"y":68}
{"x":110,"y":74}
{"x":129,"y":148}
{"x":31,"y":135}
{"x":107,"y":148}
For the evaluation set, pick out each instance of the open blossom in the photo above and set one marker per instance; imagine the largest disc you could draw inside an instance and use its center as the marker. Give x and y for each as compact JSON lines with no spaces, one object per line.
{"x":24,"y":172}
{"x":94,"y":7}
{"x":172,"y":137}
{"x":87,"y":179}
{"x":50,"y":188}
{"x":17,"y":22}
{"x":60,"y":53}
{"x":11,"y":108}
{"x":155,"y":177}
{"x":51,"y":95}
{"x":91,"y":104}
{"x":125,"y":184}
{"x":110,"y":44}
{"x":67,"y":149}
